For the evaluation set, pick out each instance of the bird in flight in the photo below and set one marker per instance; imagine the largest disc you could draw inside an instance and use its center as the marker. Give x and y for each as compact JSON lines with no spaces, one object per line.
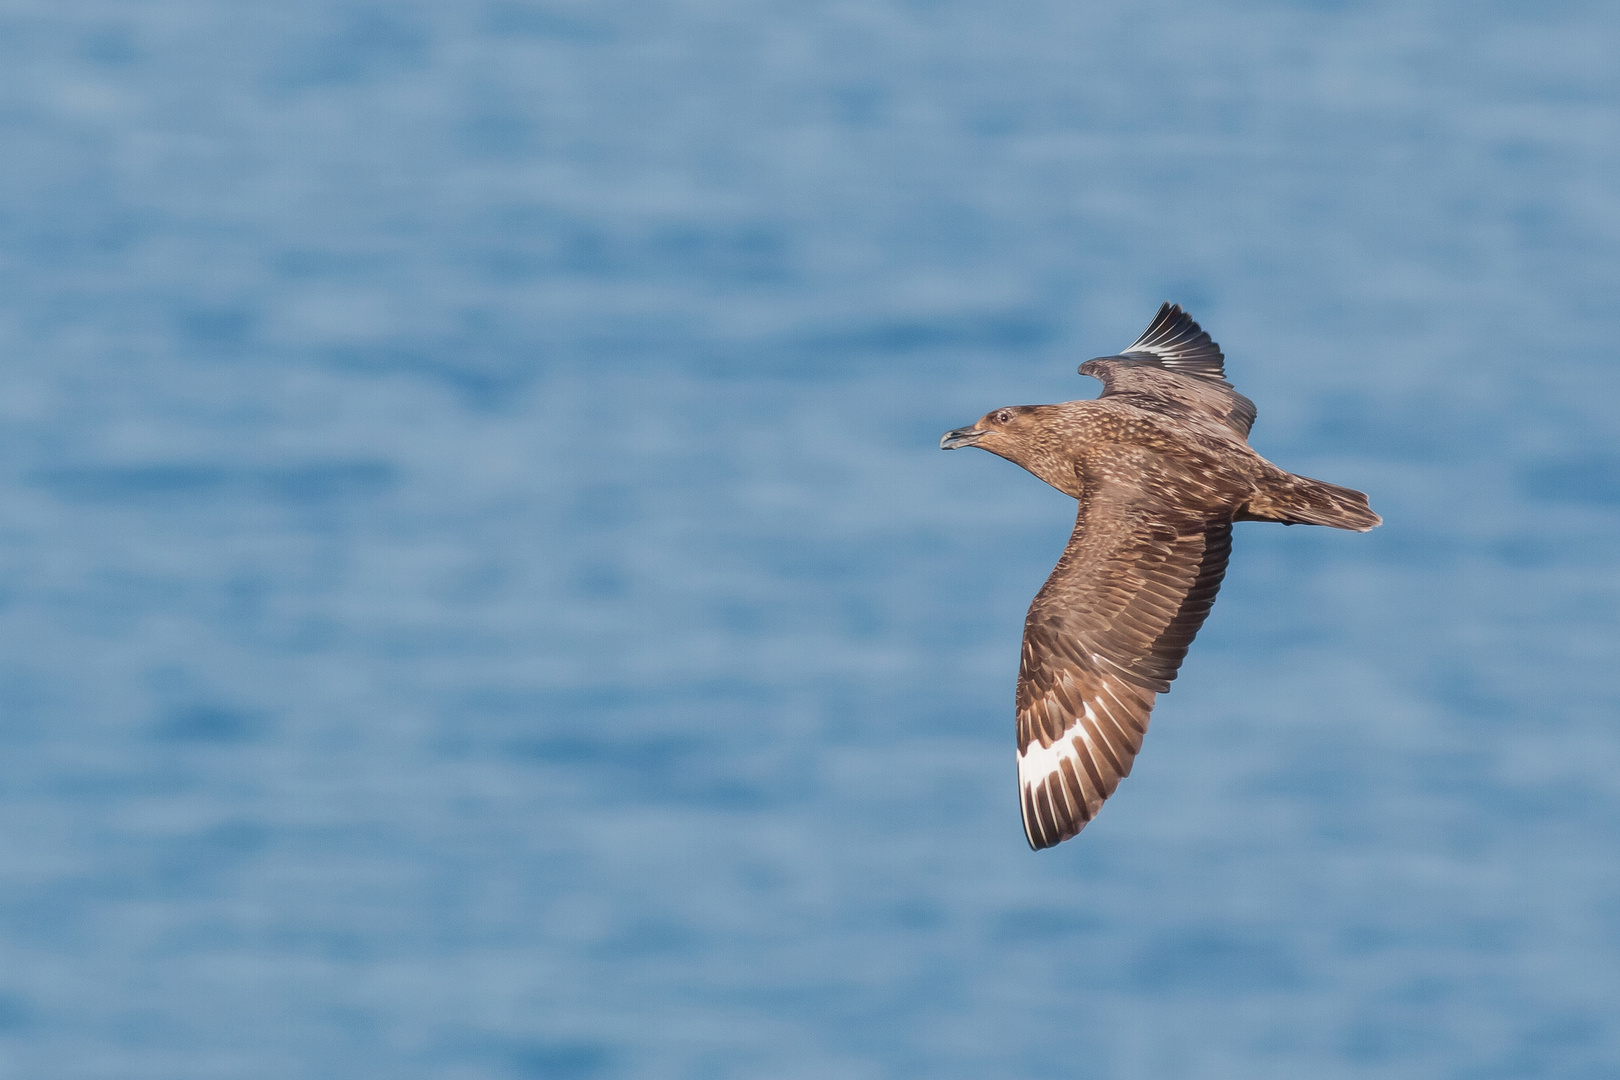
{"x":1161,"y":466}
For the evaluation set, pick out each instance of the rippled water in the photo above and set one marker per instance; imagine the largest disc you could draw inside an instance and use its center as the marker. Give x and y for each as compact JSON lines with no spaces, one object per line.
{"x":479,"y":597}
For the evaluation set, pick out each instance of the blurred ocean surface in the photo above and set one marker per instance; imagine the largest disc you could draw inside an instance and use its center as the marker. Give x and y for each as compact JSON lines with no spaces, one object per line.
{"x":481,"y":597}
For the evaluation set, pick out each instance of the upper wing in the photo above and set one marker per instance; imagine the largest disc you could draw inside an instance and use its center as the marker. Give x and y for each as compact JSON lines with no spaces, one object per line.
{"x":1174,"y":368}
{"x":1105,"y":634}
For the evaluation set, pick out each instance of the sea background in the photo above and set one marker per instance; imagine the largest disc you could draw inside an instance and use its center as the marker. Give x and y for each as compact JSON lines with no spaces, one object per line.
{"x":480,"y":597}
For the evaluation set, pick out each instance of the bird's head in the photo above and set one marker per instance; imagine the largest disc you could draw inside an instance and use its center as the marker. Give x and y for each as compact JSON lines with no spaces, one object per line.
{"x":1027,"y":435}
{"x":1002,"y":431}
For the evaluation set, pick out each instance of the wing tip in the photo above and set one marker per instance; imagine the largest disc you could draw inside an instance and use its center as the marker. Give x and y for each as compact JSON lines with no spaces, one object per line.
{"x":1052,"y":815}
{"x":1176,"y":340}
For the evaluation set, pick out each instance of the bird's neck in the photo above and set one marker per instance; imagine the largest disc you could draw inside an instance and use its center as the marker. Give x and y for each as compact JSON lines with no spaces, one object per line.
{"x":1054,"y":466}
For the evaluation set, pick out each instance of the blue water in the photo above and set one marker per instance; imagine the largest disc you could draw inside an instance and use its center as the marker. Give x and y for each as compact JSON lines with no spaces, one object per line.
{"x":480,"y":599}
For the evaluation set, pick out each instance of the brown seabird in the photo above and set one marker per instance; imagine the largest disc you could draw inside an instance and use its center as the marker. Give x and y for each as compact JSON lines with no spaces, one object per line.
{"x":1161,"y":465}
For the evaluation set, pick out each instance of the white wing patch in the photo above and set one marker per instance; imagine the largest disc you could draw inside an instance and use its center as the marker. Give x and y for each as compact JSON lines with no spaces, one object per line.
{"x":1063,"y":786}
{"x":1179,"y":344}
{"x":1065,"y":774}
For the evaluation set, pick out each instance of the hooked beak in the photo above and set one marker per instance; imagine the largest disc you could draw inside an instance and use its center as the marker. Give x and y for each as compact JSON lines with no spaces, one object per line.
{"x":962,"y":436}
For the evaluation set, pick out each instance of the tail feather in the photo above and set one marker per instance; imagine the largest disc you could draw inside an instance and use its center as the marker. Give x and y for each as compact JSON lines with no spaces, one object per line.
{"x":1299,"y":500}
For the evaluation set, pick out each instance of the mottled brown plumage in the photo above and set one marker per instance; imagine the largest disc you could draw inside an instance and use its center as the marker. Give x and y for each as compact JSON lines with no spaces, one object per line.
{"x":1161,"y":466}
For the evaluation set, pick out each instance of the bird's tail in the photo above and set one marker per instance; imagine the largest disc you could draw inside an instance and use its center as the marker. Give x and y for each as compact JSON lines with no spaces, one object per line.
{"x":1299,"y":500}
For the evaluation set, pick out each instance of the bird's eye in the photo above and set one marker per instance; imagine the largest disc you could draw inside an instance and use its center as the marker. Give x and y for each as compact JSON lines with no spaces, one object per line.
{"x":1003,"y":416}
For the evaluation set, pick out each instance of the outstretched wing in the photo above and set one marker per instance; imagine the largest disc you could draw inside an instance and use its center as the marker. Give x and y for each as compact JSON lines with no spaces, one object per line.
{"x":1174,"y":368}
{"x":1106,"y":633}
